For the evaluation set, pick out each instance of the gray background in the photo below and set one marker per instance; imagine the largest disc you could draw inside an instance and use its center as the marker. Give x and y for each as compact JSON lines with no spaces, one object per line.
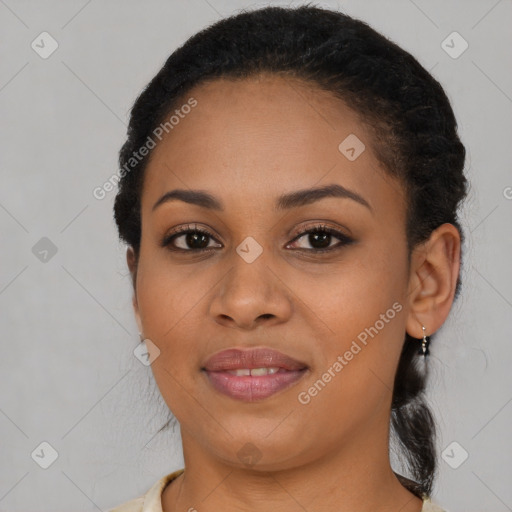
{"x":68,"y":374}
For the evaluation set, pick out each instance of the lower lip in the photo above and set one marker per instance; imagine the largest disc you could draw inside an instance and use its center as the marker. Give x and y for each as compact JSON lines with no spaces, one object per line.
{"x":249,"y":388}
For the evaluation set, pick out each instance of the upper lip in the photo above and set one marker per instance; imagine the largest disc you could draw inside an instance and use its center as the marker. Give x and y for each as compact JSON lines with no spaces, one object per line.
{"x":235,"y":358}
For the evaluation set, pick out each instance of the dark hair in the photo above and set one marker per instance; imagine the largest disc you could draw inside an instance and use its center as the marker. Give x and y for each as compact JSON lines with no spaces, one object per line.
{"x":414,"y":135}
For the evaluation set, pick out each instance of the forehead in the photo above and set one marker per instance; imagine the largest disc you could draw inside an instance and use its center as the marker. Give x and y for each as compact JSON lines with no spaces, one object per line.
{"x":262,"y":136}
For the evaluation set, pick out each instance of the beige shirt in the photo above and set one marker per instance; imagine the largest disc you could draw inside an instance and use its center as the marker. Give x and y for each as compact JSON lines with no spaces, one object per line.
{"x":152,"y":500}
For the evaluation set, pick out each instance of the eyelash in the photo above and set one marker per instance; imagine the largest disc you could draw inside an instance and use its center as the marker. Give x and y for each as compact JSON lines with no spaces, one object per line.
{"x":320,"y":228}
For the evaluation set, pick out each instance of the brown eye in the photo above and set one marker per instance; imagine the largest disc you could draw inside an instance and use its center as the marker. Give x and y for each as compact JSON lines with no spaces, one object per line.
{"x":321,"y":237}
{"x":190,"y":240}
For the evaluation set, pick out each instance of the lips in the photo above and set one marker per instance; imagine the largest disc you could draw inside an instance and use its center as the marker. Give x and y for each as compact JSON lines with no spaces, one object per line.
{"x":237,"y":359}
{"x":251,"y":375}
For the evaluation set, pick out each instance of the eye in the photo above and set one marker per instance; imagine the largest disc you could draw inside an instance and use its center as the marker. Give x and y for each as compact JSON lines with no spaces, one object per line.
{"x":193,"y":239}
{"x":320,"y":238}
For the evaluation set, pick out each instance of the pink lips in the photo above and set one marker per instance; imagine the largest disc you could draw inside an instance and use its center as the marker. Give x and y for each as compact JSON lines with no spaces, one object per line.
{"x":221,"y":369}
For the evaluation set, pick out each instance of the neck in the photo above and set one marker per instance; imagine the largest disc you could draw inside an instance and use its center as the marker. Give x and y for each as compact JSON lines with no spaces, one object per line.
{"x":356,"y":477}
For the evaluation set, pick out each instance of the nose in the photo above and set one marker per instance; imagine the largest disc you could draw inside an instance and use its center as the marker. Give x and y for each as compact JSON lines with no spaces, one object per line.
{"x":251,"y":294}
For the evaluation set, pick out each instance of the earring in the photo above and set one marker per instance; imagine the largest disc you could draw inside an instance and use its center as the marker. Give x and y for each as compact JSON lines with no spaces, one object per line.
{"x":424,"y":344}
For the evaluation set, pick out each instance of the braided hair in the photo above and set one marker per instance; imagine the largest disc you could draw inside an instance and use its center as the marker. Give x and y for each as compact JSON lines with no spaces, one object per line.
{"x":414,"y":135}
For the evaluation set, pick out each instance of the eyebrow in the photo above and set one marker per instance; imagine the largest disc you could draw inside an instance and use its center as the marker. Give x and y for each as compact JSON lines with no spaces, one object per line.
{"x":286,"y":201}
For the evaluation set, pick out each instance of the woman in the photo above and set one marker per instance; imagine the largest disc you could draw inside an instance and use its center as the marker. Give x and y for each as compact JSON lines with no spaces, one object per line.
{"x":289,"y":194}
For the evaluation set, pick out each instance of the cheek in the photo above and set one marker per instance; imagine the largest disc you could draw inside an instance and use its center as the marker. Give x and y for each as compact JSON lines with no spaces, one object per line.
{"x":356,"y":357}
{"x":166,"y":294}
{"x":173,"y":308}
{"x":355,"y":294}
{"x":359,"y":314}
{"x":169,"y":305}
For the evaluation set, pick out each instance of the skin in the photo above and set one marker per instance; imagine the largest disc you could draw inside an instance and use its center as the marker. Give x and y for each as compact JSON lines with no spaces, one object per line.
{"x":247,"y":142}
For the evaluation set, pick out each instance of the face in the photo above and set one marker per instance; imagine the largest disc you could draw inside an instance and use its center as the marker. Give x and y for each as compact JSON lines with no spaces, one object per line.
{"x":250,"y":275}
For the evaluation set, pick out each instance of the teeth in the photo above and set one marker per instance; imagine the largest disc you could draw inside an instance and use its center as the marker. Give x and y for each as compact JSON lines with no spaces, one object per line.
{"x":254,"y":371}
{"x":241,"y":372}
{"x":263,"y":371}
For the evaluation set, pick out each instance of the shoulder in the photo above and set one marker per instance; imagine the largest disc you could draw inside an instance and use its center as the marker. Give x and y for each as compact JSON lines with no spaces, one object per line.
{"x":428,"y":506}
{"x":151,"y":501}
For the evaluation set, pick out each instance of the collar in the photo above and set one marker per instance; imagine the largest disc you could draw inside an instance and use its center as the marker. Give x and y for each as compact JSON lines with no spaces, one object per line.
{"x":153,"y":498}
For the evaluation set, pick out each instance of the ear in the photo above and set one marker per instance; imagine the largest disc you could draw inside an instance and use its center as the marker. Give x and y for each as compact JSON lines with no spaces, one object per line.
{"x":132,"y":262}
{"x":433,"y":277}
